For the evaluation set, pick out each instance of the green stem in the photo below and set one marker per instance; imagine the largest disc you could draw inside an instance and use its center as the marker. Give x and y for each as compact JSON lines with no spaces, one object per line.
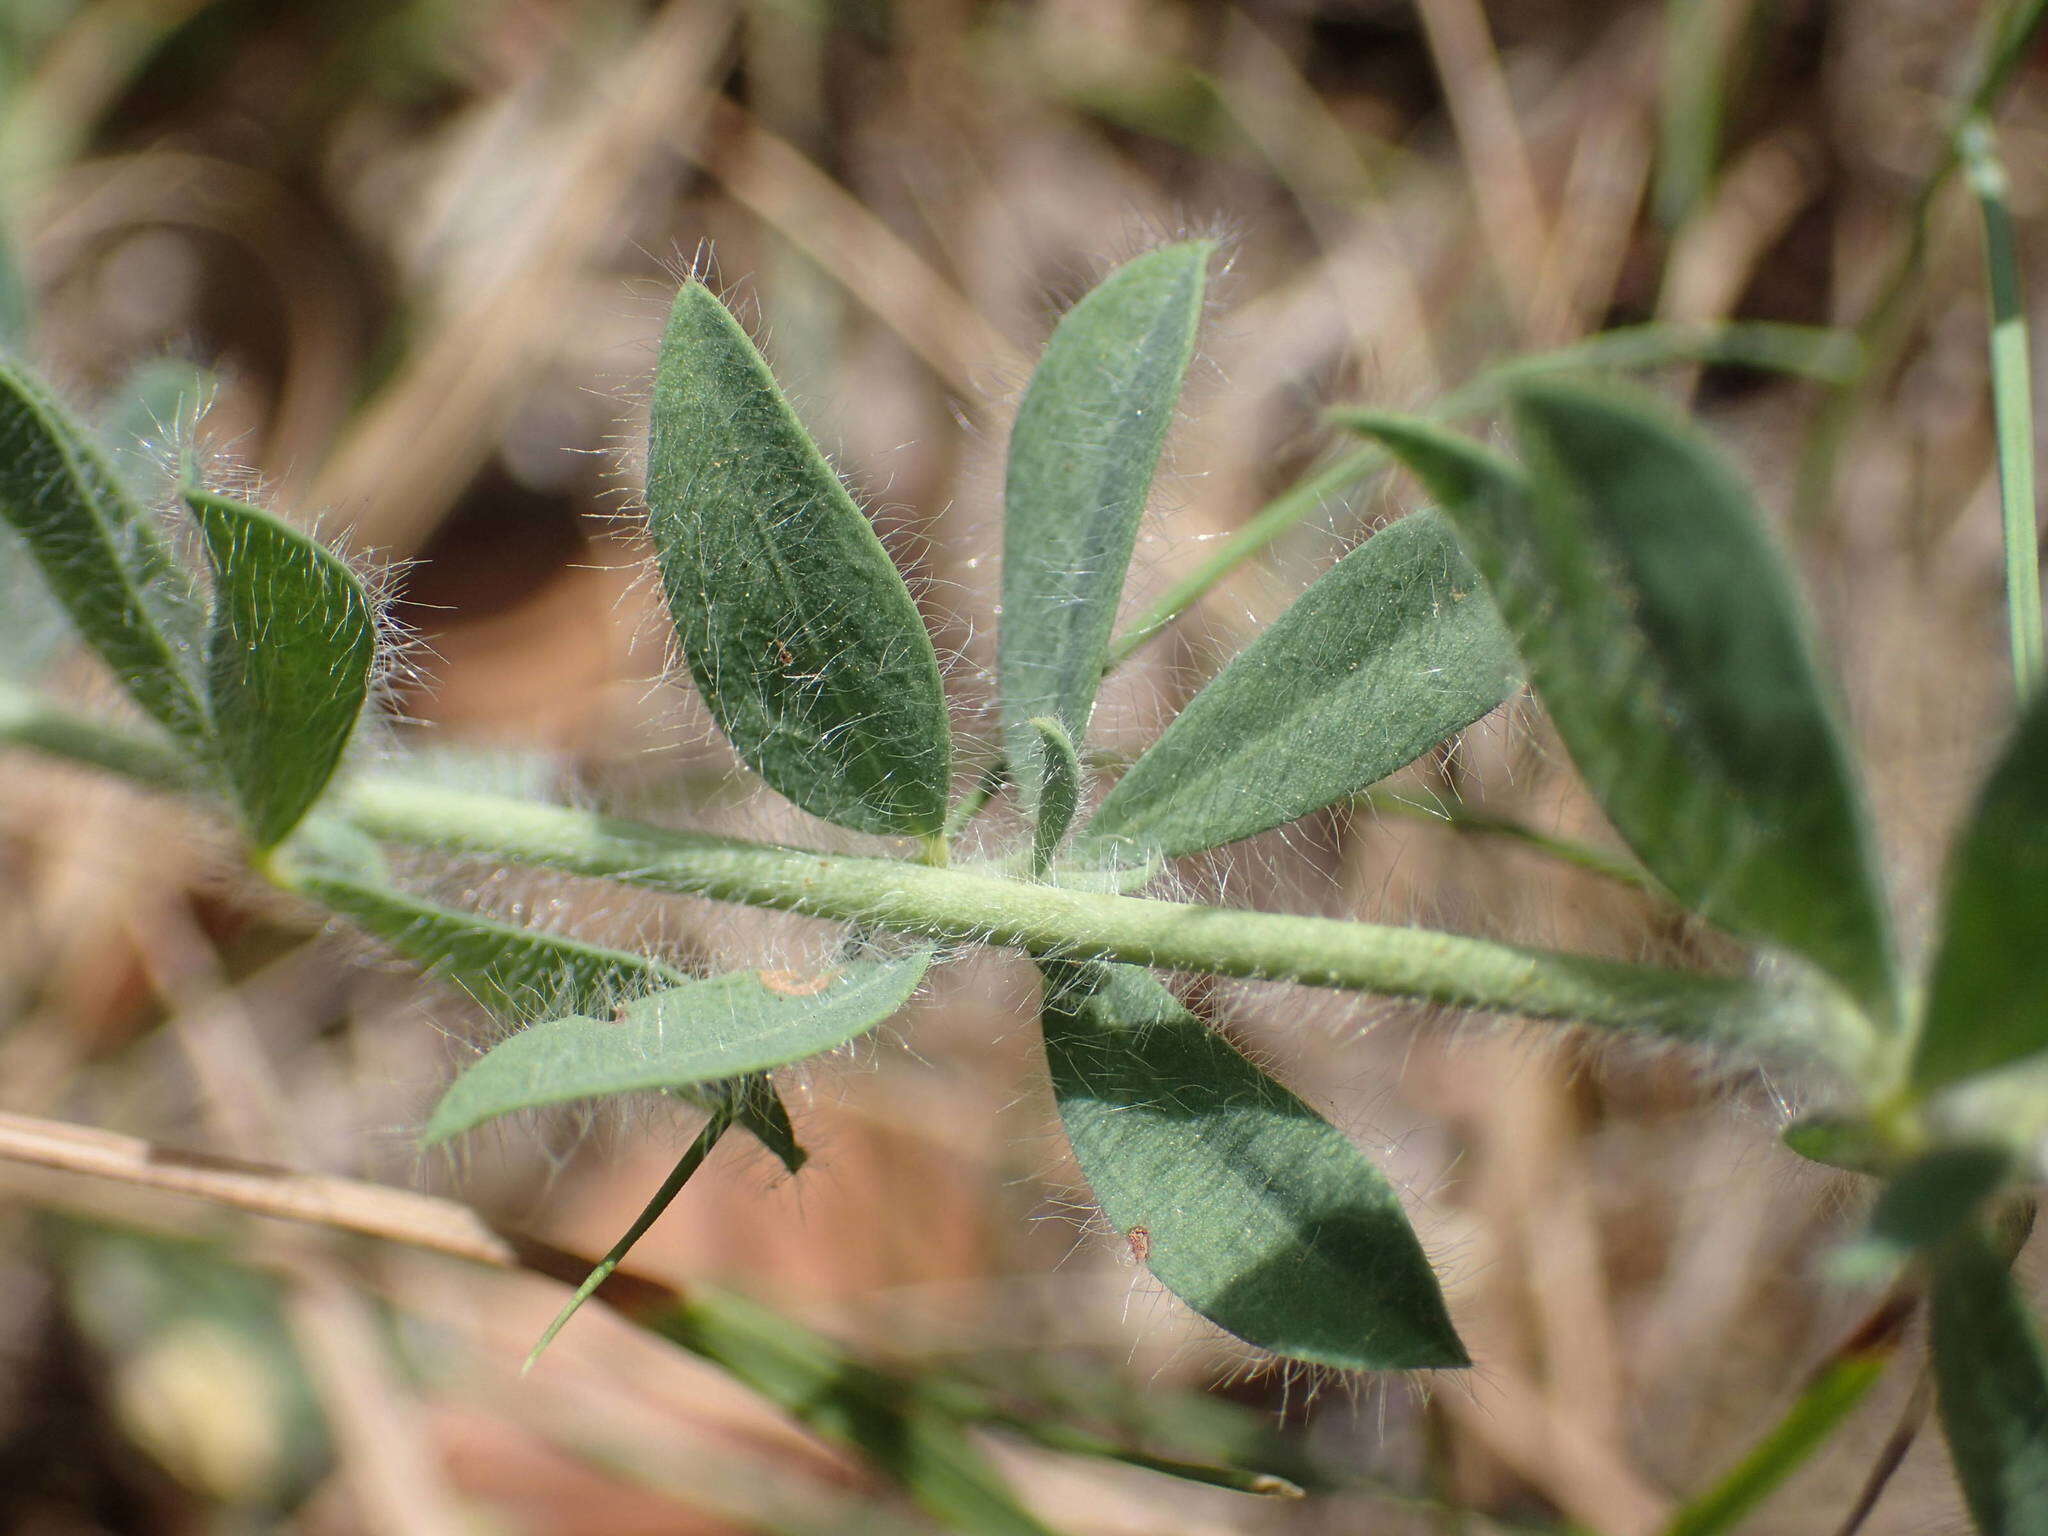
{"x":1456,"y":816}
{"x":960,"y":904}
{"x":1829,"y":1399}
{"x":2012,"y":404}
{"x":1751,"y":1017}
{"x":1756,"y":344}
{"x":29,"y":720}
{"x":686,"y":1166}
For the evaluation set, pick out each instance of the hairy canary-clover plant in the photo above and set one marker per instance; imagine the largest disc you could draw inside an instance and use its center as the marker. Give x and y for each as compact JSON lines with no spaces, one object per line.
{"x":1617,"y":563}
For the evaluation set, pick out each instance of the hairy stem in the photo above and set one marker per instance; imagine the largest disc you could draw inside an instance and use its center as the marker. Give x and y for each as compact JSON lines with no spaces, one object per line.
{"x":960,"y":904}
{"x":1785,"y":1016}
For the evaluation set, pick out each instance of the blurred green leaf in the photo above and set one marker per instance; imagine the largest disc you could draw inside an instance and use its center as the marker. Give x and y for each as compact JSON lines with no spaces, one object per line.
{"x":802,"y":637}
{"x":288,"y":660}
{"x":1992,"y":1381}
{"x":893,"y":1420}
{"x":100,"y":554}
{"x":517,"y":973}
{"x":1665,"y":638}
{"x":1922,"y":1206}
{"x":154,"y":413}
{"x":211,"y":1381}
{"x":1394,"y":649}
{"x":1839,"y":1141}
{"x":1082,"y":457}
{"x":15,"y":308}
{"x":1241,"y":1200}
{"x":1985,"y":994}
{"x":700,"y":1032}
{"x":1837,"y":1390}
{"x":1059,"y":791}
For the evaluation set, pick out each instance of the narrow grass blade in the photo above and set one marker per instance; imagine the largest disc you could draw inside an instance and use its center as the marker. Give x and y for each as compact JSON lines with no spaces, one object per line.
{"x":1059,"y":791}
{"x":521,"y":973}
{"x":1696,"y":38}
{"x":1665,"y":638}
{"x":1990,"y":973}
{"x":101,"y":555}
{"x":895,"y":1421}
{"x":1992,"y":1383}
{"x":802,"y":637}
{"x":1393,"y":650}
{"x":1836,"y":1392}
{"x":1240,"y":1199}
{"x":701,"y":1032}
{"x":1082,"y":457}
{"x":2012,"y":400}
{"x":293,"y":640}
{"x":685,"y":1169}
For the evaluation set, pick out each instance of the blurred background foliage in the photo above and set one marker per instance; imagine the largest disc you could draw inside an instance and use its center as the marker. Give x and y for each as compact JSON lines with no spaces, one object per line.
{"x":420,"y":252}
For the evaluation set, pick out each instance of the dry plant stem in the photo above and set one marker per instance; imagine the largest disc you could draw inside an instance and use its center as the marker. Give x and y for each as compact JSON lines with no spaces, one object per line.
{"x":349,"y":1205}
{"x":1893,"y":1453}
{"x":434,"y":1225}
{"x":1511,"y":214}
{"x":958,"y":904}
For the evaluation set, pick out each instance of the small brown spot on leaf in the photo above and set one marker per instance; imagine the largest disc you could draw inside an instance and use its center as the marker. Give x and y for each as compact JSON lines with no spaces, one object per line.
{"x":793,"y":984}
{"x":1141,"y":1243}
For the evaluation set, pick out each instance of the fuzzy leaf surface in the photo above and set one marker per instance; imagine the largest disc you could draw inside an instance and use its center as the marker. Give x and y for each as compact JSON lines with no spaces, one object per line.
{"x":288,"y":660}
{"x":701,"y":1032}
{"x":1256,"y":1211}
{"x":1396,"y":647}
{"x":803,"y":640}
{"x":516,"y":973}
{"x":1082,"y":456}
{"x":1992,"y":1381}
{"x":512,"y":971}
{"x":100,"y":554}
{"x":1059,"y":791}
{"x":1985,"y":996}
{"x":1664,"y":636}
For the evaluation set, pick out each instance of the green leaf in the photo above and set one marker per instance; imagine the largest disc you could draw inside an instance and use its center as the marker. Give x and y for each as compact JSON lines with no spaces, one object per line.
{"x":1992,"y":1381}
{"x":1059,"y":791}
{"x":153,"y":413}
{"x":1840,"y":1141}
{"x":1240,"y":1199}
{"x":1922,"y":1206}
{"x":1395,"y":648}
{"x":1985,"y":994}
{"x":700,"y":1032}
{"x":100,"y":553}
{"x":1082,"y":456}
{"x":1664,"y":635}
{"x":803,"y":639}
{"x":516,"y":973}
{"x":908,"y":1431}
{"x":288,"y":660}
